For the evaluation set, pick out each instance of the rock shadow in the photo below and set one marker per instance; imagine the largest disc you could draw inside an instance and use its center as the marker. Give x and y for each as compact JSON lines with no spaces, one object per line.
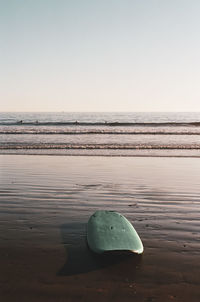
{"x":80,"y":259}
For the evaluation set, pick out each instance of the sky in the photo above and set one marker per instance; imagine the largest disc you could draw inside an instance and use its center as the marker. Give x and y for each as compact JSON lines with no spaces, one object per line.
{"x":99,"y":55}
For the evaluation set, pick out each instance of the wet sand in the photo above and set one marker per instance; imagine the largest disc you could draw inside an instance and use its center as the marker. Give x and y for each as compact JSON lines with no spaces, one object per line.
{"x":45,"y":202}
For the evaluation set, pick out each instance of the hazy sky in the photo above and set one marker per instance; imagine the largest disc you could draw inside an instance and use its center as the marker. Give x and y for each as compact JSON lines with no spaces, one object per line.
{"x":100,"y":55}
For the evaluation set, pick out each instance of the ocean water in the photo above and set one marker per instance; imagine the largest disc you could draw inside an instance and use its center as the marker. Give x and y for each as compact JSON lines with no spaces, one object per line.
{"x":108,"y":134}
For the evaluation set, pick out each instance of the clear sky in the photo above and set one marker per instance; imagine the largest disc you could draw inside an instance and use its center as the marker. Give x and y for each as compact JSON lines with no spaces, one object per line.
{"x":100,"y":55}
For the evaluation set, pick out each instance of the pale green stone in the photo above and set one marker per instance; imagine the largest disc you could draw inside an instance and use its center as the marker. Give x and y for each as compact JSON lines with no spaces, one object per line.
{"x":111,"y":231}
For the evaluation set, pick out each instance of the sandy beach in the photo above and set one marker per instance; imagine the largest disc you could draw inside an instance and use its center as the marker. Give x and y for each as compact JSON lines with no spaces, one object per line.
{"x":46,"y":201}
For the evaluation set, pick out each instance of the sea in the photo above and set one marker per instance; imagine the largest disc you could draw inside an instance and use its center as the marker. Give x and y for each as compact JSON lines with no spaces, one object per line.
{"x":101,"y":134}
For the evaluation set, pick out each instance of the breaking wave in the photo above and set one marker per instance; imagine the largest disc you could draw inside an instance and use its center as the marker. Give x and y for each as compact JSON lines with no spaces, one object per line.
{"x":99,"y":146}
{"x":77,"y":123}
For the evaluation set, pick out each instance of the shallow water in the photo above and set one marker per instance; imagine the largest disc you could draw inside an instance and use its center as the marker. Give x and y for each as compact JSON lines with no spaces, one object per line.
{"x":156,"y":194}
{"x":107,"y":134}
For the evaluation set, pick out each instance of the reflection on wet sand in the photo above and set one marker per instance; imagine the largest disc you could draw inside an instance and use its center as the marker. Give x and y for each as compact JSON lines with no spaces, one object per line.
{"x":45,"y":203}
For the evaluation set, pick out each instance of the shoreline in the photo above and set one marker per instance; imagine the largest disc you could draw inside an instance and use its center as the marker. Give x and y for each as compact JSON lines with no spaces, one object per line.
{"x":176,"y":153}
